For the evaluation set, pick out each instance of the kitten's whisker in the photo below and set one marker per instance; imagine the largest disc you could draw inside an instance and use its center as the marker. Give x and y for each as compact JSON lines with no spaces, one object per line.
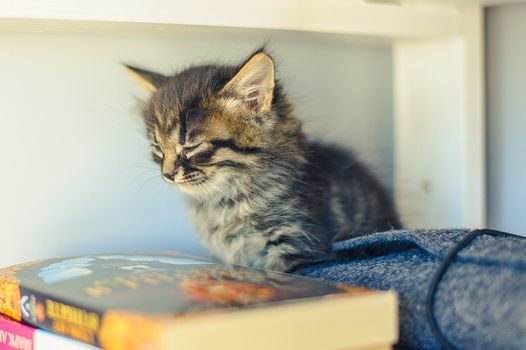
{"x":223,"y":192}
{"x":207,"y":199}
{"x":147,"y":181}
{"x":138,"y":166}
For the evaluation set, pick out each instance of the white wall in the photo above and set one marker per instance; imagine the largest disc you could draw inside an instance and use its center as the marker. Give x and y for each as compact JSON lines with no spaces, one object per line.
{"x":506,"y":74}
{"x":76,"y":175}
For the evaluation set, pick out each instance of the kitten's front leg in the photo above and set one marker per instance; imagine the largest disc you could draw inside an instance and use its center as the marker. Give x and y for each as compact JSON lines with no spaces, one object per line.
{"x":289,"y":247}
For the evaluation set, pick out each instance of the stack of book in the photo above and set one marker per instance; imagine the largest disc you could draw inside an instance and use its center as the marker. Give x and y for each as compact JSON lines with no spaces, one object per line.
{"x":174,"y":301}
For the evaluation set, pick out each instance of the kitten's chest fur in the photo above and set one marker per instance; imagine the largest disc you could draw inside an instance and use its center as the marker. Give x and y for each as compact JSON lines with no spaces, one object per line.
{"x":228,"y":232}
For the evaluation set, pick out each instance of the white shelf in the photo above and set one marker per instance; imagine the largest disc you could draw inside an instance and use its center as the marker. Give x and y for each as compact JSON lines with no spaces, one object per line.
{"x":438,"y":78}
{"x":355,"y":17}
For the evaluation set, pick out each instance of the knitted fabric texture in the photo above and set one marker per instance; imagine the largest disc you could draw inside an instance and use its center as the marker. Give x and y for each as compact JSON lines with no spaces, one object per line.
{"x":480,"y":302}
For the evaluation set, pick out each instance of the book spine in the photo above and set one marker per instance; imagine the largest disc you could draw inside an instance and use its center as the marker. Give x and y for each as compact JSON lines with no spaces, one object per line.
{"x":15,"y":336}
{"x":44,"y":340}
{"x":60,"y":316}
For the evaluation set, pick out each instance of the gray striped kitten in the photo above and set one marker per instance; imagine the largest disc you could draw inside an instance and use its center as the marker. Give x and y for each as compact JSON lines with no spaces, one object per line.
{"x":259,"y":193}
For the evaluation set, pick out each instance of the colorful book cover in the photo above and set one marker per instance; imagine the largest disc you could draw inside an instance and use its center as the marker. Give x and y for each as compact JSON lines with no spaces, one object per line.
{"x":99,"y":299}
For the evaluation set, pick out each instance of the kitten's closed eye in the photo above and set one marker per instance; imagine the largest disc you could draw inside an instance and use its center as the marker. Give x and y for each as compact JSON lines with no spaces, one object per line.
{"x":192,"y":146}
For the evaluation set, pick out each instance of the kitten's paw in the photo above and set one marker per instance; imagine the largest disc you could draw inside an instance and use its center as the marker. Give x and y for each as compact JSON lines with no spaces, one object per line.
{"x":283,"y":258}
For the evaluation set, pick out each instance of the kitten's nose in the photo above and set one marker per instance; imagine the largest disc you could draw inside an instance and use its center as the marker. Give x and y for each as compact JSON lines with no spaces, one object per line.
{"x":169,"y":176}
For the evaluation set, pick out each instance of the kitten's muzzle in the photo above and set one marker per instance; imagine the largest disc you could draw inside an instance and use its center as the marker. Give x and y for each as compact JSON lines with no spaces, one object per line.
{"x":170,"y":168}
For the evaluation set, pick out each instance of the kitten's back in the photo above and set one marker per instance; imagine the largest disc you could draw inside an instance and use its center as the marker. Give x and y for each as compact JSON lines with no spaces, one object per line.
{"x":345,"y":194}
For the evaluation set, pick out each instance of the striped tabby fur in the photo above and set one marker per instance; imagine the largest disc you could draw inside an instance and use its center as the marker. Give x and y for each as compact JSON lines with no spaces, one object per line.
{"x":259,"y":193}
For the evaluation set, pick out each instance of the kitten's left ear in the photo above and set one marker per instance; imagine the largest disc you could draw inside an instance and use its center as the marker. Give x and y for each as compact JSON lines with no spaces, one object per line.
{"x":150,"y":80}
{"x":254,"y":83}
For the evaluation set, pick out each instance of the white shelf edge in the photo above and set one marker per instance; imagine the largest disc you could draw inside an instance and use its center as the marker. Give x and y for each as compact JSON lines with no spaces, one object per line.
{"x":329,"y":16}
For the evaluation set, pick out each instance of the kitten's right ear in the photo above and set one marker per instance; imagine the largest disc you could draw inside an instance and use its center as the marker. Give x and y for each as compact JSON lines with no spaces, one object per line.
{"x":149,"y":80}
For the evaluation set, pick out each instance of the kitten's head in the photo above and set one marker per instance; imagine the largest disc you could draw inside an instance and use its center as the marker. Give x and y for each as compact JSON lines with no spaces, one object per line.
{"x":209,"y":125}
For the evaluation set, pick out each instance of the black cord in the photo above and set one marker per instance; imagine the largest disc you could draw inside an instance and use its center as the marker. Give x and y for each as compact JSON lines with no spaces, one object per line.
{"x":430,"y":299}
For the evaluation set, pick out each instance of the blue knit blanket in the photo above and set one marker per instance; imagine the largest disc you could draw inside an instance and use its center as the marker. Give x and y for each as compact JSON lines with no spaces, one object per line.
{"x":479,"y":295}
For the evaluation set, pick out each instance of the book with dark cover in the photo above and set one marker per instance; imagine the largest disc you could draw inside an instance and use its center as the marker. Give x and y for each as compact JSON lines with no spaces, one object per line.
{"x":163,"y":301}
